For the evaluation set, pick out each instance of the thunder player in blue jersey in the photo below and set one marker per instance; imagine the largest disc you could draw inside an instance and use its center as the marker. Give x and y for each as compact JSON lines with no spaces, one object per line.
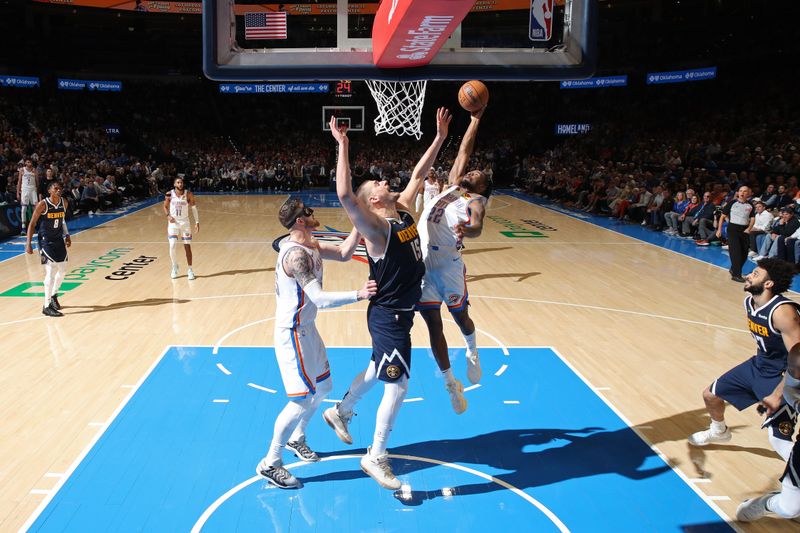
{"x":774,"y":322}
{"x":50,"y":216}
{"x":395,"y":263}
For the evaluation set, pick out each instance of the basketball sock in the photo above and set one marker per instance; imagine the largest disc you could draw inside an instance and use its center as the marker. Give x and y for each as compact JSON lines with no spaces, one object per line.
{"x":718,"y":427}
{"x":172,"y":243}
{"x":360,"y":385}
{"x":393,"y":395}
{"x":323,"y":389}
{"x":470,"y":340}
{"x":58,"y":277}
{"x":448,"y":375}
{"x":284,"y":425}
{"x":48,"y":283}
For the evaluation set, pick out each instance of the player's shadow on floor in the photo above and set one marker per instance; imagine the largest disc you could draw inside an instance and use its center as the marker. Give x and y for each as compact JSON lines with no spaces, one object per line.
{"x":472,"y":251}
{"x":235,"y":272}
{"x":534,"y":457}
{"x":519,"y":276}
{"x":150,"y":302}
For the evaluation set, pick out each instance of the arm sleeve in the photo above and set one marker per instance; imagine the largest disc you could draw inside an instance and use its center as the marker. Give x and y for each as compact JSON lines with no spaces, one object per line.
{"x":326,"y":299}
{"x":196,"y":216}
{"x":791,"y":391}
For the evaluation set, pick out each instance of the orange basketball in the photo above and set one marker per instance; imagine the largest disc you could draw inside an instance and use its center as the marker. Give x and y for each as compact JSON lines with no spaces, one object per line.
{"x":473,"y":96}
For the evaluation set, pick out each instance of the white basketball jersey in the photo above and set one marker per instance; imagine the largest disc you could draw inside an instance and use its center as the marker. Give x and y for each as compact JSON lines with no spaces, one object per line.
{"x":431,"y":190}
{"x":28,"y":179}
{"x":179,"y":206}
{"x":440,"y":216}
{"x":293,"y":307}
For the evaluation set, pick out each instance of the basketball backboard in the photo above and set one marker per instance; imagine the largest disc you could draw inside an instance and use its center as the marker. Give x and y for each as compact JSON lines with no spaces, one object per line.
{"x":497,"y":40}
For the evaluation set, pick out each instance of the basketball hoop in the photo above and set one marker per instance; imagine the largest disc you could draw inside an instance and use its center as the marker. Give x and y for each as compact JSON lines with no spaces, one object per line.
{"x":400,"y":106}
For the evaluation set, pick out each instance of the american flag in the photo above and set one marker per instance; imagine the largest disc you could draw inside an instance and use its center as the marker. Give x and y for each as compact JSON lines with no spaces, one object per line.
{"x":265,"y":25}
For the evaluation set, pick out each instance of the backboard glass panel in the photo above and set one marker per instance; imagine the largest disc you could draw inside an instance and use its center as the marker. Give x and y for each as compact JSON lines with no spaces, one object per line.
{"x":351,"y":116}
{"x":498,"y":40}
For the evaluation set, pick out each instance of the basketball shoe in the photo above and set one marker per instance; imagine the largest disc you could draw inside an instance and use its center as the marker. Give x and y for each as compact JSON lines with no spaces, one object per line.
{"x":378,"y":468}
{"x":755,"y":508}
{"x":302,"y":451}
{"x":474,"y":371}
{"x":456,"y":391}
{"x":338,"y":422}
{"x":277,"y":475}
{"x":708,"y":436}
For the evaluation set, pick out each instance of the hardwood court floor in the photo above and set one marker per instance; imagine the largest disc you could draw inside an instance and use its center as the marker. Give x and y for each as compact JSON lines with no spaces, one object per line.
{"x":648,"y":327}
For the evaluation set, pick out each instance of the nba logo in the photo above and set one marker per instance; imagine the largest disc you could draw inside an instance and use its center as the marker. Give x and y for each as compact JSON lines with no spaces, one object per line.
{"x":541,"y":28}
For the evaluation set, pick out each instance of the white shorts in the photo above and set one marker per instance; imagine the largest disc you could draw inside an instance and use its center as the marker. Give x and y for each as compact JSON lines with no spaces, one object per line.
{"x":445,"y":281}
{"x":180,"y":228}
{"x":28,"y":196}
{"x":302,"y":360}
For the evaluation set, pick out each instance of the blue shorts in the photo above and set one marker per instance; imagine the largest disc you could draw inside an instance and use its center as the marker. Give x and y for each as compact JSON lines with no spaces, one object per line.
{"x":391,"y":341}
{"x":744,"y":385}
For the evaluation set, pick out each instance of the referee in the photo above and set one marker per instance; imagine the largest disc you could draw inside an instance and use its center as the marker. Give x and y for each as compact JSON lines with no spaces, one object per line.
{"x":741,"y":215}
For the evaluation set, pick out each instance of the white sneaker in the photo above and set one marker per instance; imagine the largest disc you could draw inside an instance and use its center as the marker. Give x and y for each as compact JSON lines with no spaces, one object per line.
{"x":755,"y":508}
{"x":474,"y":371}
{"x":704,"y":438}
{"x":456,"y":391}
{"x":338,"y":422}
{"x":277,"y":475}
{"x":174,"y":273}
{"x":190,"y":274}
{"x":379,"y":469}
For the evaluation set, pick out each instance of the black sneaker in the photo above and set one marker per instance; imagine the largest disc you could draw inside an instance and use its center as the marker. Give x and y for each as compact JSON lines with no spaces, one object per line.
{"x":739,"y":279}
{"x":302,"y":451}
{"x":49,"y":311}
{"x":277,"y":475}
{"x":54,"y":303}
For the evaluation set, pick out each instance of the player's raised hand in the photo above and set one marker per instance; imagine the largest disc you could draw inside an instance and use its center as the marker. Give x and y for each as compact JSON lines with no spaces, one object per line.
{"x":443,"y":118}
{"x":369,"y":290}
{"x":479,"y":113}
{"x":339,"y":133}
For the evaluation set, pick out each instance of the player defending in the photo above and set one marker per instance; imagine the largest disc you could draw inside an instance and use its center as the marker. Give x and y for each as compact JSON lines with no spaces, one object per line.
{"x":27,"y":194}
{"x":786,"y":503}
{"x":775,"y":325}
{"x":298,"y":347}
{"x":53,"y":243}
{"x":395,"y":263}
{"x":457,"y":212}
{"x":176,"y":207}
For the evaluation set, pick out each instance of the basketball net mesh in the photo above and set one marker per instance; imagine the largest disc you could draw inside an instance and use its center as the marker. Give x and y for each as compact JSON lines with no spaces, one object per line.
{"x":400,"y":106}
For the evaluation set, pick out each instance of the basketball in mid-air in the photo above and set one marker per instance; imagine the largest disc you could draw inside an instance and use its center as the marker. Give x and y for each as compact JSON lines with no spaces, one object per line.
{"x":473,"y":96}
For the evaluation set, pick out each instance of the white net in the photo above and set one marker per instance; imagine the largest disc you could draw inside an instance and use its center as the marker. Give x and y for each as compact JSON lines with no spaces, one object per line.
{"x":400,"y":106}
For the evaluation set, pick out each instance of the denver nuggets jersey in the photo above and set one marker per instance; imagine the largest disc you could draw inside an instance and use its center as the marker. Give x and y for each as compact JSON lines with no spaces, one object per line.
{"x":51,"y":222}
{"x":440,"y":216}
{"x":179,"y":206}
{"x":399,"y":271}
{"x":772,"y":353}
{"x":293,"y":307}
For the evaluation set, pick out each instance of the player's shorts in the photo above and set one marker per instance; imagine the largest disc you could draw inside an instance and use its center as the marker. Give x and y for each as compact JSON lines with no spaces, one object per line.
{"x":792,"y":472}
{"x":744,"y":385}
{"x":28,"y":196}
{"x":445,"y":281}
{"x":180,"y":228}
{"x":302,"y":360}
{"x":53,"y":252}
{"x":391,"y":341}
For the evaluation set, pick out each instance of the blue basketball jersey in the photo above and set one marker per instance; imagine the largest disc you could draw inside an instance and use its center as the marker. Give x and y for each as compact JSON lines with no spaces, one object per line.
{"x":399,"y":272}
{"x":51,"y":222}
{"x":772,"y":354}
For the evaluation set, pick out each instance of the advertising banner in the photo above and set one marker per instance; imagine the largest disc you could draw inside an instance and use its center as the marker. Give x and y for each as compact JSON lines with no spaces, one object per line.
{"x":595,"y":83}
{"x":681,"y":76}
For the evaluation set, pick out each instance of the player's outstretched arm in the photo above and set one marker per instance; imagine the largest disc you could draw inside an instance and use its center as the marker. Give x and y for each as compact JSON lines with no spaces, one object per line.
{"x":425,"y":163}
{"x":342,"y":252}
{"x":37,"y":212}
{"x":466,"y":148}
{"x":298,"y":264}
{"x":372,"y":227}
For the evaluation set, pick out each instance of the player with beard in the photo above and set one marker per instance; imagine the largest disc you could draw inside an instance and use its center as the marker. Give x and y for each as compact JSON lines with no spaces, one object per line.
{"x":50,"y":217}
{"x":176,"y":207}
{"x":299,"y":349}
{"x":457,"y":212}
{"x":774,"y":322}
